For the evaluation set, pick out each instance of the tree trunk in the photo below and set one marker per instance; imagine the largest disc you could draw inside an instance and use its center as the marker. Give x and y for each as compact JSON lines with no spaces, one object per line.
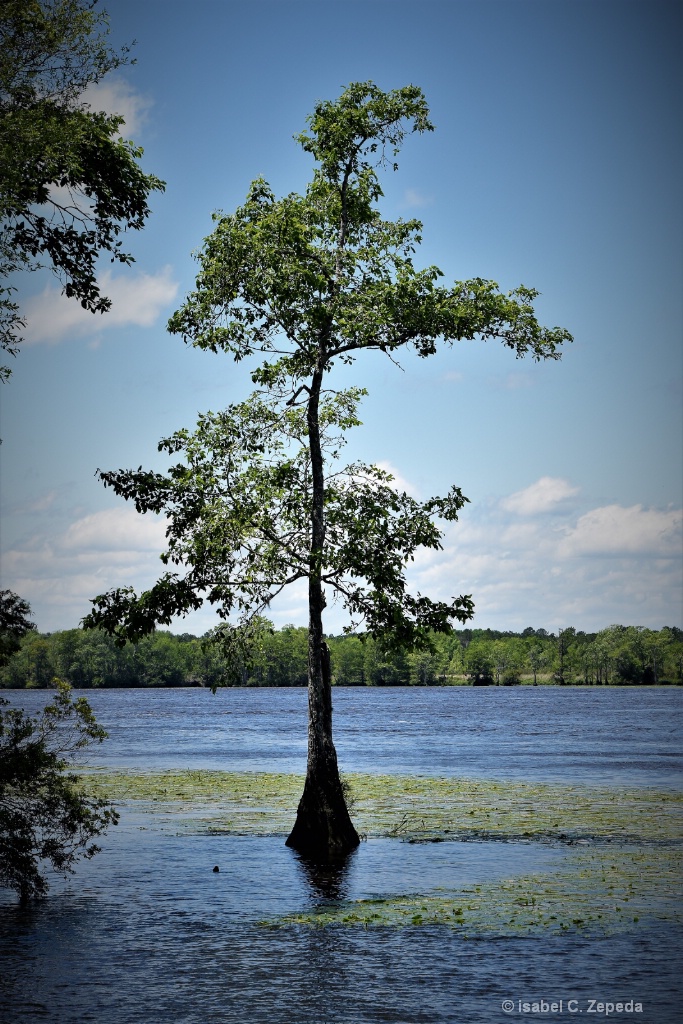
{"x":323,"y":830}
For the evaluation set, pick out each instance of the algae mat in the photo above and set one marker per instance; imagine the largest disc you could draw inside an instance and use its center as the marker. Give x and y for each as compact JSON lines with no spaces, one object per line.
{"x":416,"y":808}
{"x":601,"y":892}
{"x":624,"y":865}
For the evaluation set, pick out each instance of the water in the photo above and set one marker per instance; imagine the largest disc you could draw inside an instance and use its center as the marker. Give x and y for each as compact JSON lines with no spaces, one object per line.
{"x":147,"y":933}
{"x":611,"y":735}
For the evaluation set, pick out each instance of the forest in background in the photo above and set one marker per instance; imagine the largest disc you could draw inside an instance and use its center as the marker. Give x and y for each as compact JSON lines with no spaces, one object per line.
{"x":618,"y":655}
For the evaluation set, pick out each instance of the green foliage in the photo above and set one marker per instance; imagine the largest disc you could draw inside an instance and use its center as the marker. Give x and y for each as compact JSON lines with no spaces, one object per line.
{"x":509,"y":658}
{"x":325,"y":266}
{"x":480,"y":662}
{"x":239,"y":509}
{"x":69,"y":184}
{"x":258,"y":500}
{"x":14,"y":623}
{"x":271,"y":657}
{"x":45,"y":816}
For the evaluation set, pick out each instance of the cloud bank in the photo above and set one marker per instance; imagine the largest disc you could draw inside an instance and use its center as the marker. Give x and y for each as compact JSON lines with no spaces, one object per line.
{"x":531,"y":558}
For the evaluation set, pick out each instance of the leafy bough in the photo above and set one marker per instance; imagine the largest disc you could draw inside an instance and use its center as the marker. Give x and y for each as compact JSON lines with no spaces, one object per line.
{"x":238,"y":528}
{"x":46,"y":817}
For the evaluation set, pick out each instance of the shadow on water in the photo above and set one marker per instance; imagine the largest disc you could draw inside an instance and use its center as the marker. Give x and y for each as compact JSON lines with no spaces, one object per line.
{"x":328,"y":881}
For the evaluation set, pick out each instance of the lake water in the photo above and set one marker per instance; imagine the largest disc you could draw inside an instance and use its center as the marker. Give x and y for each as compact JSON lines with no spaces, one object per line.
{"x":146,"y":932}
{"x":610,"y":735}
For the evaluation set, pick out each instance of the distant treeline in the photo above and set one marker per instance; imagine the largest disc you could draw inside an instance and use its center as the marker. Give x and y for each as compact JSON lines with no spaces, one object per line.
{"x":619,"y":655}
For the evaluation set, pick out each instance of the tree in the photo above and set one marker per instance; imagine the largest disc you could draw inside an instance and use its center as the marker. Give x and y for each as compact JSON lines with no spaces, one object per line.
{"x":385,"y":663}
{"x":563,"y":675}
{"x":14,"y":623}
{"x":44,"y":813}
{"x":68,"y":182}
{"x":348,"y":660}
{"x":508,"y":655}
{"x":536,"y":655}
{"x":480,"y":662}
{"x":258,"y":501}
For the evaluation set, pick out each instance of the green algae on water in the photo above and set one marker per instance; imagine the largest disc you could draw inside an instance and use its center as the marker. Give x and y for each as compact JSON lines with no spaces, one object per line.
{"x":600,"y":892}
{"x":412,"y":808}
{"x":623,"y":867}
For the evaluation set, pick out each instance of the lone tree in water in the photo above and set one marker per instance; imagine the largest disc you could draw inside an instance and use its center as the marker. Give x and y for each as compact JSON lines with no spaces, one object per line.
{"x":258,"y":500}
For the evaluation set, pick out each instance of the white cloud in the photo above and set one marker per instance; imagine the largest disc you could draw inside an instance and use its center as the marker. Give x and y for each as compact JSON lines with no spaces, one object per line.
{"x":115,"y":530}
{"x":609,"y":564}
{"x":111,"y":97}
{"x":116,"y":96}
{"x":136,"y":300}
{"x":399,"y":483}
{"x":516,"y":381}
{"x":415,"y":199}
{"x":542,"y":496}
{"x":635,"y":531}
{"x":42,"y":503}
{"x":60,"y":574}
{"x":291,"y":606}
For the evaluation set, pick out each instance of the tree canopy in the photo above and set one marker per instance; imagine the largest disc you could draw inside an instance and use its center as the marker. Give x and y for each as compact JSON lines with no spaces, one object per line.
{"x":69,"y":183}
{"x":259,"y":499}
{"x":309,"y":280}
{"x":239,"y":521}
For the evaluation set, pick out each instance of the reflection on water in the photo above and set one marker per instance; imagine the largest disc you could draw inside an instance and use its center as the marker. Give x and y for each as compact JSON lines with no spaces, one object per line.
{"x":329,"y":883}
{"x":155,"y":870}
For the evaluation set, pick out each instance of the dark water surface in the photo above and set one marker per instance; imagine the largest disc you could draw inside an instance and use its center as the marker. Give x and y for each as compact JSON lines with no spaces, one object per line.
{"x":147,"y":933}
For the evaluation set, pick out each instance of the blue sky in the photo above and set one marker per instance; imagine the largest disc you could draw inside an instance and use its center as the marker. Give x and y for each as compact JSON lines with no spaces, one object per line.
{"x":556,"y":163}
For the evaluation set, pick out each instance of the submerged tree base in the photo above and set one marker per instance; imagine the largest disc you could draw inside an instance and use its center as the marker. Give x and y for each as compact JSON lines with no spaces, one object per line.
{"x":323,"y":831}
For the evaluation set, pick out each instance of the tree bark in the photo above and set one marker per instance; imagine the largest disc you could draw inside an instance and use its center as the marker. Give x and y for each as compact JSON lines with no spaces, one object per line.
{"x":323,"y":830}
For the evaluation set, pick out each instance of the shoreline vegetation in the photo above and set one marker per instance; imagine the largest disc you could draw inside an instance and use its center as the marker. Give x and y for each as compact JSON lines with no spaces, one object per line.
{"x":621,"y":868}
{"x":618,"y":655}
